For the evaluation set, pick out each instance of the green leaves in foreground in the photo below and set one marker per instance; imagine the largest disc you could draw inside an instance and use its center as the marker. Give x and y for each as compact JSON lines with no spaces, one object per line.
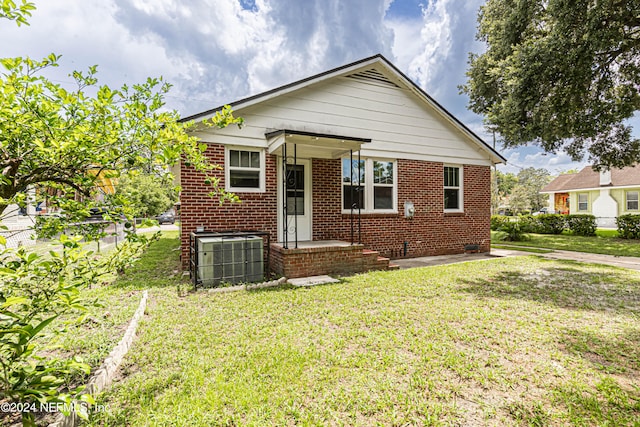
{"x":42,"y":293}
{"x":78,"y":141}
{"x":18,"y":13}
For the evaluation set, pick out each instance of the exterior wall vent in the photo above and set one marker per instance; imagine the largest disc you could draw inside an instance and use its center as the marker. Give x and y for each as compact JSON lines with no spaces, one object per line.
{"x":373,"y":76}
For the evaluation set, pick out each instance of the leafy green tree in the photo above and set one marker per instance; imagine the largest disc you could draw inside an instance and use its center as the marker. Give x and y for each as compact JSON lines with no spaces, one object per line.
{"x":560,"y":74}
{"x":570,"y":171}
{"x":532,"y":180}
{"x":70,"y":140}
{"x":506,"y":182}
{"x":18,"y":13}
{"x":501,"y":186}
{"x":149,"y":195}
{"x":519,"y":200}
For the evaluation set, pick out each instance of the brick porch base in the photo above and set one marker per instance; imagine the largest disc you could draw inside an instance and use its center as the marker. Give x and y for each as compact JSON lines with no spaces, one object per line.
{"x":328,"y":257}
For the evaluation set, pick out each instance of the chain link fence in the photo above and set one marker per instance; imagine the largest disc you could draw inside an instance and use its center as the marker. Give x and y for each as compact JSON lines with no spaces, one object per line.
{"x":26,"y":237}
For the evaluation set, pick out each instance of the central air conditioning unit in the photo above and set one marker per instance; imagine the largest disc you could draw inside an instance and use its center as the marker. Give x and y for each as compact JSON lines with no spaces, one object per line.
{"x":229,"y":260}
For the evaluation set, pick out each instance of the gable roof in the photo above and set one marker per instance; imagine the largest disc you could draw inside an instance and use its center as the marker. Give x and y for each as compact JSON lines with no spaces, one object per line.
{"x":587,"y":178}
{"x":361,"y":70}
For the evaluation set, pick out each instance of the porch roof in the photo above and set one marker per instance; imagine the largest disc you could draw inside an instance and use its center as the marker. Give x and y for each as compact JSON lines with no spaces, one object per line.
{"x":313,"y":145}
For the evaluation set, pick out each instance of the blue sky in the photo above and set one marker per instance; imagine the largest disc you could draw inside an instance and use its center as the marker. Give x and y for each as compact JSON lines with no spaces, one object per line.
{"x":218,"y":51}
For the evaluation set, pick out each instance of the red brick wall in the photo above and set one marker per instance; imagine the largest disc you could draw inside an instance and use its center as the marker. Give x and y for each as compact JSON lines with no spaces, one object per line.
{"x":430,"y":232}
{"x":256,"y":211}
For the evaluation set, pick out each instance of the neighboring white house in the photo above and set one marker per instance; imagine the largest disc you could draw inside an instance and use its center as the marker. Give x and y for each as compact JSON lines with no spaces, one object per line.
{"x":606,"y":194}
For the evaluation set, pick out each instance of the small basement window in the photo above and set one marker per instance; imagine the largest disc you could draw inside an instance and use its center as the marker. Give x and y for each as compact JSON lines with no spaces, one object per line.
{"x":244,"y":170}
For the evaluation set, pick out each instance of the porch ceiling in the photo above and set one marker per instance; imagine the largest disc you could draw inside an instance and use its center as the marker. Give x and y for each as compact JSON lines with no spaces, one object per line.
{"x":313,"y":145}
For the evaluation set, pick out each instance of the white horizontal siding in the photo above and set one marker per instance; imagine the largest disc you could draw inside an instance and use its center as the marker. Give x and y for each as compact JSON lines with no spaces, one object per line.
{"x":399,"y":124}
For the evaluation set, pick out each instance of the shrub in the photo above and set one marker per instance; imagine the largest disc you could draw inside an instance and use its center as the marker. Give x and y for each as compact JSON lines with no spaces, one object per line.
{"x":551,"y":223}
{"x":628,"y":226}
{"x":35,"y":291}
{"x":512,"y":231}
{"x":582,"y":225}
{"x":529,"y":224}
{"x":497,"y":221}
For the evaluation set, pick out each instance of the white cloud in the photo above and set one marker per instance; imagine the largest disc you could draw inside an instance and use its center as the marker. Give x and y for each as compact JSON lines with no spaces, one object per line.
{"x":243,"y":52}
{"x":525,"y":157}
{"x":435,"y":36}
{"x":86,"y":33}
{"x":216,"y":51}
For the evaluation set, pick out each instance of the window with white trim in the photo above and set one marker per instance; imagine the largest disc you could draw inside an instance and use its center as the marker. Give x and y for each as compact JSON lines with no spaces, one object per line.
{"x":244,"y":170}
{"x":583,"y":202}
{"x":632,"y":200}
{"x":374,"y":186}
{"x":453,"y":189}
{"x":383,"y":182}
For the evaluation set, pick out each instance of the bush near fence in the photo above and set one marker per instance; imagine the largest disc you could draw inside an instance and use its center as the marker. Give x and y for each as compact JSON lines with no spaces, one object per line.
{"x":628,"y":226}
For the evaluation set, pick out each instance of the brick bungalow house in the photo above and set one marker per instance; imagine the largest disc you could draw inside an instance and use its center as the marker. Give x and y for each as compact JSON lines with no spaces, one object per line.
{"x":375,"y":169}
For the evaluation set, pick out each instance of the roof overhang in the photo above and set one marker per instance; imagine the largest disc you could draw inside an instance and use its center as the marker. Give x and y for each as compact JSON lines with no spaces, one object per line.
{"x":378,"y":61}
{"x":312,"y":144}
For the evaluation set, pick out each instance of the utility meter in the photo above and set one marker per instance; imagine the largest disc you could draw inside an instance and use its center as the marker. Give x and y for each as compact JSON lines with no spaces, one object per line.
{"x":409,"y":210}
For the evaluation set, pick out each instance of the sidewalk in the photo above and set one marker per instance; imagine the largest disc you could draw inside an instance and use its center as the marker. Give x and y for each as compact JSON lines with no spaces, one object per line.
{"x":617,"y":261}
{"x":163,"y":227}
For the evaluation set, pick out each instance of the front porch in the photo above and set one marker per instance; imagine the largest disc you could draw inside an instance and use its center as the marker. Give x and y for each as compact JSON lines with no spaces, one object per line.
{"x":297,"y":197}
{"x":332,"y":257}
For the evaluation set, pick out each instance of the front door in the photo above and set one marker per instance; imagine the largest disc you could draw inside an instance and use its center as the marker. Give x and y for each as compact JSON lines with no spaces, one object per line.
{"x":298,"y":201}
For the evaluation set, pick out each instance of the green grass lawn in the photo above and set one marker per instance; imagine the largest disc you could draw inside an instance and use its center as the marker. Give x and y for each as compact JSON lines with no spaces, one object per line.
{"x":605,"y":242}
{"x":519,"y":341}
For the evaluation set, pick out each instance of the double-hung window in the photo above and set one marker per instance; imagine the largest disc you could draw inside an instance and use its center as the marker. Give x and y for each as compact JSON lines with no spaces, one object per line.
{"x":244,"y":170}
{"x":453,"y":189}
{"x":632,"y":200}
{"x":583,"y":202}
{"x":383,"y":183}
{"x":369,"y":184}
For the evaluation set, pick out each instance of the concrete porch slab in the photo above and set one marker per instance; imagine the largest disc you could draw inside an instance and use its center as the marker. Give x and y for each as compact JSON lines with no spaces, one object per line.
{"x":312,"y":281}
